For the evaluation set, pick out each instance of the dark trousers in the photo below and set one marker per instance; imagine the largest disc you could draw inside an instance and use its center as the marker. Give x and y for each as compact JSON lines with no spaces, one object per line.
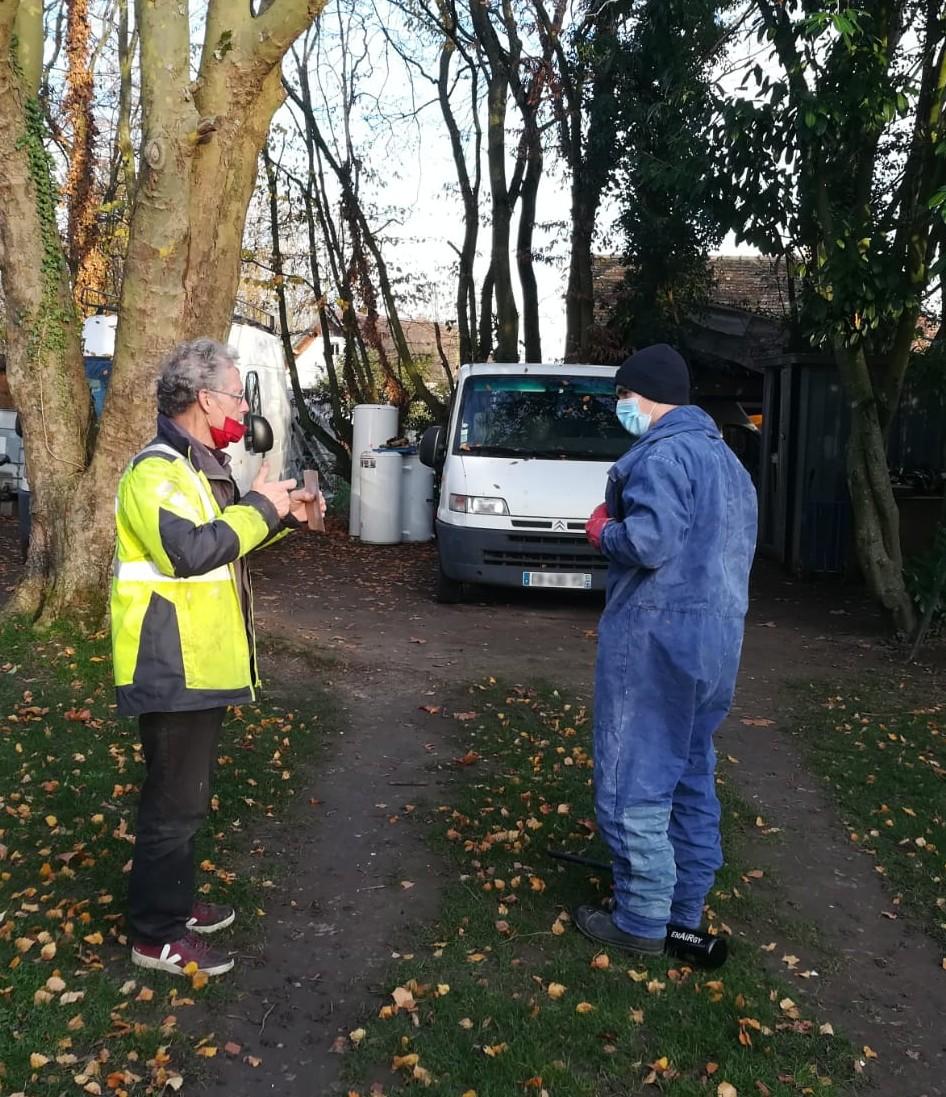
{"x":180,"y":750}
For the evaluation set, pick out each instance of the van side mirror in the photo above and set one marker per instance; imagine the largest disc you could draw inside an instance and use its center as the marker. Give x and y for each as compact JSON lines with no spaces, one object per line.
{"x":431,"y":450}
{"x":259,"y":434}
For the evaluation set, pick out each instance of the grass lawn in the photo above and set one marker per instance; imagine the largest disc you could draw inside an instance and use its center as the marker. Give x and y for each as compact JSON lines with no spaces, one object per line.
{"x":882,"y":748}
{"x":503,"y":996}
{"x":75,"y":1016}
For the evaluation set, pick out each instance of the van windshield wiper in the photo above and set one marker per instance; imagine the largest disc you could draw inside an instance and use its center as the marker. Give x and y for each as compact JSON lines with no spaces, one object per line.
{"x":484,"y":449}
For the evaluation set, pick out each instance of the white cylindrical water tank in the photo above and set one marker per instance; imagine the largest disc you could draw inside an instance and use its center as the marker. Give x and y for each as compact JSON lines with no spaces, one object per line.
{"x":372,"y":425}
{"x":381,"y":482}
{"x":417,"y":500}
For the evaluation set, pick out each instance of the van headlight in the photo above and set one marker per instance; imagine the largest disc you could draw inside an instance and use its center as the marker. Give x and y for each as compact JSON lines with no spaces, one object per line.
{"x":478,"y":504}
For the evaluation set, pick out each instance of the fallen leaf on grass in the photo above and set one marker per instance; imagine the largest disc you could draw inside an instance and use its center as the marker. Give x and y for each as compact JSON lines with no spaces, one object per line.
{"x":403,"y":998}
{"x":144,"y":995}
{"x":468,"y":759}
{"x":601,"y":962}
{"x":725,"y":1089}
{"x":37,"y":1061}
{"x":464,"y":715}
{"x":827,"y":1029}
{"x":492,"y":1050}
{"x":584,"y":1007}
{"x":405,"y":1062}
{"x":357,"y":1036}
{"x":869,"y":1052}
{"x":555,"y":990}
{"x":419,"y":1074}
{"x":637,"y":1016}
{"x":208,"y":1051}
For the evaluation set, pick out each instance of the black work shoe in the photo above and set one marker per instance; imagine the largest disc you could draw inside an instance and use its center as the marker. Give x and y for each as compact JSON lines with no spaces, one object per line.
{"x":596,"y":923}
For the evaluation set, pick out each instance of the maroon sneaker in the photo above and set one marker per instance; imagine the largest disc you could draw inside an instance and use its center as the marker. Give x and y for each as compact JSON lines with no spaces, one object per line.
{"x":209,"y":917}
{"x":176,"y":955}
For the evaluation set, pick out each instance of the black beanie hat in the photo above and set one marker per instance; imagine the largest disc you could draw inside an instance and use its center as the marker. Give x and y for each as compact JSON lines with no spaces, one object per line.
{"x":659,"y":373}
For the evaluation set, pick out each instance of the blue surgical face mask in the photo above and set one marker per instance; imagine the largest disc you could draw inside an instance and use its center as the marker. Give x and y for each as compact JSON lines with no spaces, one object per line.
{"x":631,"y":418}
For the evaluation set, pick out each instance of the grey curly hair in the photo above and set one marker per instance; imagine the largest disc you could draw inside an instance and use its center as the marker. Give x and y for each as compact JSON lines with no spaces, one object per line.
{"x":188,"y":368}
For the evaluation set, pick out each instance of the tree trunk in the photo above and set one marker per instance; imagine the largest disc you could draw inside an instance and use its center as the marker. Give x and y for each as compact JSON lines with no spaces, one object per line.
{"x":507,"y":314}
{"x":876,"y":515}
{"x":310,"y":428}
{"x":200,"y":147}
{"x":579,"y":294}
{"x":44,"y":357}
{"x":531,"y":330}
{"x":486,"y":316}
{"x":466,"y":309}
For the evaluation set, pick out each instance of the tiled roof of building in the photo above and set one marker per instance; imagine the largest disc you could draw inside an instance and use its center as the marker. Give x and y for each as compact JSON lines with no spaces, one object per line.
{"x":753,"y":283}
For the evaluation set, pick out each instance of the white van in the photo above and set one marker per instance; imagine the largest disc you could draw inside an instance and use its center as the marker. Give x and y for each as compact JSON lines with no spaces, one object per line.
{"x":263,"y":370}
{"x":524,"y":460}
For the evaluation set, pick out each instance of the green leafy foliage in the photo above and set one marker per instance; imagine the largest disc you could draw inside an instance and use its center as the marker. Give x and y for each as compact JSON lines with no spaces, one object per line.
{"x":663,"y":153}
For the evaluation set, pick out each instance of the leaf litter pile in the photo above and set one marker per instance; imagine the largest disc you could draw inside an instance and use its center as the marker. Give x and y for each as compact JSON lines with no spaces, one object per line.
{"x":505,"y":997}
{"x":882,"y":747}
{"x":75,"y":1015}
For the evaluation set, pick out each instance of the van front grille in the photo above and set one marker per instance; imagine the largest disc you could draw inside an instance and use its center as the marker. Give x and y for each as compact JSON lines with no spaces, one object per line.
{"x":546,"y":553}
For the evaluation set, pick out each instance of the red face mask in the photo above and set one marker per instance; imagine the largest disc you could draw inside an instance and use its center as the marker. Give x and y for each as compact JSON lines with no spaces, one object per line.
{"x":231,"y":431}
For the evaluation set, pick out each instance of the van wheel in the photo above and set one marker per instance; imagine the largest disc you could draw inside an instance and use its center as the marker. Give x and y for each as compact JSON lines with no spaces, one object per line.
{"x":449,"y":591}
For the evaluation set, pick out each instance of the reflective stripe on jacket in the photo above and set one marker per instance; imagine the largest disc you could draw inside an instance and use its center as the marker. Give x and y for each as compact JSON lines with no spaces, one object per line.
{"x":182,"y":637}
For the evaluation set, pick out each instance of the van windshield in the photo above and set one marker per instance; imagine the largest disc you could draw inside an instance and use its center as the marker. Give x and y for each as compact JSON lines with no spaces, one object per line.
{"x":553,"y":416}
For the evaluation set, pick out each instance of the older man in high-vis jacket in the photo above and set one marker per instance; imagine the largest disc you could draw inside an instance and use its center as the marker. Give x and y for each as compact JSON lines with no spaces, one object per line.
{"x":678,"y":527}
{"x":182,"y":634}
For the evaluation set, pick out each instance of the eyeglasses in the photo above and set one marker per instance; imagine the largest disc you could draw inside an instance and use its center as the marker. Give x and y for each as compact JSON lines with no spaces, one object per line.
{"x":233,"y":395}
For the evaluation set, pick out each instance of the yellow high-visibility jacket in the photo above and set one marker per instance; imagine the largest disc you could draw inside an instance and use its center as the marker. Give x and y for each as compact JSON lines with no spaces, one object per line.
{"x":181,"y":604}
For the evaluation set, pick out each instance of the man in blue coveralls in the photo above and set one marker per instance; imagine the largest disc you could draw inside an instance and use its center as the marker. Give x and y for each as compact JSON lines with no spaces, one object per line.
{"x":679,"y":529}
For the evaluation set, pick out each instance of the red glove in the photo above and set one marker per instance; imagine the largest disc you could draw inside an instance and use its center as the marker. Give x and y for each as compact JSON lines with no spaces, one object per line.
{"x":596,"y":523}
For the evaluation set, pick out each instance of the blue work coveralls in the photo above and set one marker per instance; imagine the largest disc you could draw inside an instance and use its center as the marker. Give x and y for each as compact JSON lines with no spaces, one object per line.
{"x":669,"y":640}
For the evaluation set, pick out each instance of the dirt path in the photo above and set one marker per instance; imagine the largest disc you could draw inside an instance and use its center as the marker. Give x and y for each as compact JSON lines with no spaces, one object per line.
{"x":339,"y":911}
{"x":398,"y":650}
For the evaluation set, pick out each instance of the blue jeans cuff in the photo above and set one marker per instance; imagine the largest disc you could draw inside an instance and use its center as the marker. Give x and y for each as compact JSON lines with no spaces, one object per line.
{"x":688,"y":915}
{"x":639,"y":926}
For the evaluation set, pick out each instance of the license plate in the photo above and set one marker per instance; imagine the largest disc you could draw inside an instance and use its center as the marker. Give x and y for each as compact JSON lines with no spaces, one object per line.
{"x":567,"y":580}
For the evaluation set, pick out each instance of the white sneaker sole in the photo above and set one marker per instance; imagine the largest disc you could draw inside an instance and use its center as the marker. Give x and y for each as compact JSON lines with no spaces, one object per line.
{"x":215,"y":928}
{"x":157,"y":964}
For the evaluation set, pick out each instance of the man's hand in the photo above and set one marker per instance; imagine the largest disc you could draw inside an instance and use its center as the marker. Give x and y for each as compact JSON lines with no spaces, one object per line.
{"x":276,"y":491}
{"x":297,"y":504}
{"x":596,"y":523}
